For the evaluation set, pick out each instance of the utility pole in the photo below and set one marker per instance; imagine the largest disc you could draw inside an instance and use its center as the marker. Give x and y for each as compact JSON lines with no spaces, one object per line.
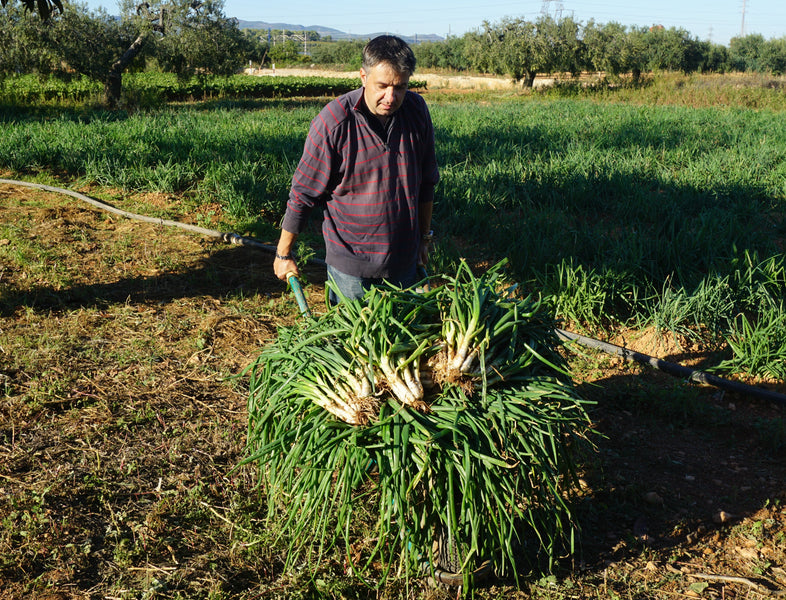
{"x":742,"y":27}
{"x":559,"y":8}
{"x":304,"y":37}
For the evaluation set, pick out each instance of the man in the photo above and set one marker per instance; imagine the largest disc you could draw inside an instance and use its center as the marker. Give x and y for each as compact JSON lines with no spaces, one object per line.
{"x":369,"y":164}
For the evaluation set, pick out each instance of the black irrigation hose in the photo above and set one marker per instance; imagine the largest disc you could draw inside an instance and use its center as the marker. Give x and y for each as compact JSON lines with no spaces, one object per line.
{"x":675,"y":369}
{"x":230,"y":238}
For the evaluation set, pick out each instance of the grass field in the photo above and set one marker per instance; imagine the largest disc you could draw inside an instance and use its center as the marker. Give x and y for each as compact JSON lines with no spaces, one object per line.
{"x":656,"y":223}
{"x":620,"y":212}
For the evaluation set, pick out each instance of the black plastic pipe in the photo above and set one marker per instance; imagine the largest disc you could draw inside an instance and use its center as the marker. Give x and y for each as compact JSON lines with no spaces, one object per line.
{"x":675,"y":369}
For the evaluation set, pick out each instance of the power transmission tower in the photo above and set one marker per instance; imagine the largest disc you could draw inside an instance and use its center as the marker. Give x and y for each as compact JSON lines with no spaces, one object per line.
{"x":559,"y":8}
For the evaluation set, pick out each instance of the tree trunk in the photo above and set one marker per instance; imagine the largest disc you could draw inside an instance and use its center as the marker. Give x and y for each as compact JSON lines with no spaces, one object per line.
{"x":529,"y":79}
{"x":113,"y":85}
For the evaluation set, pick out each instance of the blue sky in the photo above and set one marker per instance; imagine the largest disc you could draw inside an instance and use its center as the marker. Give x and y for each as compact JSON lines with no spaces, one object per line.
{"x":715,"y":20}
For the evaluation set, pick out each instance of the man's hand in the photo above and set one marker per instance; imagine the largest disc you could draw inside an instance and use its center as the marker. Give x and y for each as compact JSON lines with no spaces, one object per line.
{"x":285,"y":262}
{"x":423,"y":249}
{"x":423,"y":255}
{"x":283,"y":267}
{"x":425,"y":210}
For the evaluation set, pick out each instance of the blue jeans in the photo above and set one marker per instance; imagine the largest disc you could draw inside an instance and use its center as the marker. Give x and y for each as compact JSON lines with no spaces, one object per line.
{"x":355,"y":287}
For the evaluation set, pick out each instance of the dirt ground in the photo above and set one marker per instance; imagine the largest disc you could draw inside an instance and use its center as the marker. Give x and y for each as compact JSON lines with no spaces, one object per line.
{"x":122,"y":418}
{"x":434,"y":81}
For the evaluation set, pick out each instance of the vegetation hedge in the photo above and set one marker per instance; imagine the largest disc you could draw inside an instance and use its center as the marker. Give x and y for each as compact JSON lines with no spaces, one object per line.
{"x":168,"y":87}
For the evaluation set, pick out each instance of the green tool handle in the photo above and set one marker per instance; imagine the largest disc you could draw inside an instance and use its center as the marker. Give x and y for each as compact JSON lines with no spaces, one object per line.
{"x":423,"y":274}
{"x":294,"y":283}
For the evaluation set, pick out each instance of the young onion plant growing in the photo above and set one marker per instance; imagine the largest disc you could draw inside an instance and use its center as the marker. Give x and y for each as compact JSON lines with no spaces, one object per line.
{"x":345,"y":432}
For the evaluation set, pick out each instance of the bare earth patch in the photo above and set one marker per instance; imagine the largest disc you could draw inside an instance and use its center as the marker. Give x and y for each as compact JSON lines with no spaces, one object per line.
{"x":122,"y":416}
{"x":435,"y":81}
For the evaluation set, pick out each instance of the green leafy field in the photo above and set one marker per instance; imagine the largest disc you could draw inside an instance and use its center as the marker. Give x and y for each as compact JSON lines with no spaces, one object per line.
{"x":123,"y":419}
{"x":620,"y":213}
{"x":157,"y":88}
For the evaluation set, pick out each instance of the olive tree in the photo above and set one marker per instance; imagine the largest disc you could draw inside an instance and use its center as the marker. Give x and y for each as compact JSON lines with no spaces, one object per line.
{"x":201,"y":40}
{"x":287,"y":52}
{"x":773,"y":56}
{"x":672,"y":49}
{"x":558,"y":47}
{"x":346,"y":53}
{"x":186,"y":36}
{"x":95,"y":44}
{"x":522,"y":49}
{"x":256,"y":47}
{"x":614,"y":49}
{"x":44,"y":8}
{"x":507,"y":48}
{"x":23,"y":48}
{"x":745,"y":52}
{"x":445,"y":54}
{"x":715,"y":59}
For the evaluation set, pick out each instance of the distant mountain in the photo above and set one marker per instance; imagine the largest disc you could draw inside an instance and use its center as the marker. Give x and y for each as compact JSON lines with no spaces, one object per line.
{"x":335,"y":33}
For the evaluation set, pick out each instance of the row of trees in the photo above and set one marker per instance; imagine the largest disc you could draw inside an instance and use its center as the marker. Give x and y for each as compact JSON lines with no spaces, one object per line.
{"x":194,"y":36}
{"x":181,"y":36}
{"x":520,"y":49}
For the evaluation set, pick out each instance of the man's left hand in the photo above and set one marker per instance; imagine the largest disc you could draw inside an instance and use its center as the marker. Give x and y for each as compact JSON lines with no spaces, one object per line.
{"x":425,"y":246}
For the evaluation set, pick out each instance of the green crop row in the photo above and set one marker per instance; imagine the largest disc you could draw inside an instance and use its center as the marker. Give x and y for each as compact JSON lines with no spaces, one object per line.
{"x":662,"y":216}
{"x":238,"y":86}
{"x":167,"y":87}
{"x":25,"y":89}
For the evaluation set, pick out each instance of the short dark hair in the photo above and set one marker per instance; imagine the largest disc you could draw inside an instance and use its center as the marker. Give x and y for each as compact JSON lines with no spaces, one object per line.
{"x":389,"y":49}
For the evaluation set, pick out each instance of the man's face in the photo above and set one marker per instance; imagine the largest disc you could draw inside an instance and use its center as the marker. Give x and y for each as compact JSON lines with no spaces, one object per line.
{"x":385,"y":89}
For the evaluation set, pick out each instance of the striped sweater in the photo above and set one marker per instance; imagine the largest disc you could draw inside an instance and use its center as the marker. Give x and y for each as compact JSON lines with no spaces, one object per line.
{"x":367,"y":185}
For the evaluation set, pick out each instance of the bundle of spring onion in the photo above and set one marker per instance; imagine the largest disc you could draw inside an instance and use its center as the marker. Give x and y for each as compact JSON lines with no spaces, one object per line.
{"x":490,"y":335}
{"x":460,"y":400}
